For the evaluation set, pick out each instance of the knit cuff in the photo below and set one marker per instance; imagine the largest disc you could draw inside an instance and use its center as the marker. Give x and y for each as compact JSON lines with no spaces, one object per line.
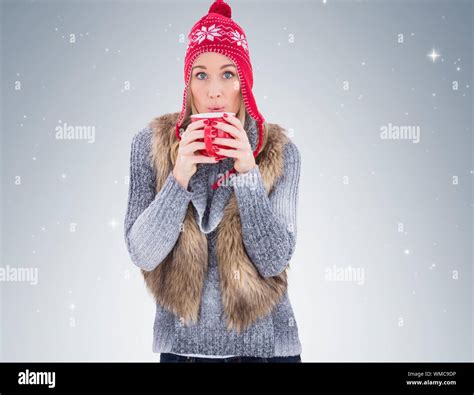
{"x":177,"y":188}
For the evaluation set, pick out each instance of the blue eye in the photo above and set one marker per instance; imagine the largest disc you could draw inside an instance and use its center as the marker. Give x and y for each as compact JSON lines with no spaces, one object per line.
{"x":227,"y":72}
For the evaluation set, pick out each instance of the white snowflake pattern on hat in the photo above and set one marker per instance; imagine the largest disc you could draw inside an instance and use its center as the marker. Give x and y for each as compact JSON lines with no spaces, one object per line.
{"x":206,"y":33}
{"x":239,"y":39}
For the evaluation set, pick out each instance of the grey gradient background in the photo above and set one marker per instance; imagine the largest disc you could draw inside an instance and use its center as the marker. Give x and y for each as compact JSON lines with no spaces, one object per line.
{"x":355,"y":188}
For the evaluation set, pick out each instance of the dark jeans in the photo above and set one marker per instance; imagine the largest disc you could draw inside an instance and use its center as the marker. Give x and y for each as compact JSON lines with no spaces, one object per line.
{"x":175,"y":358}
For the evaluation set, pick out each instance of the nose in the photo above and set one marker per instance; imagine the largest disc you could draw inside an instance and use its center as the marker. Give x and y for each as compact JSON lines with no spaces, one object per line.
{"x":215,"y":90}
{"x":214,"y":93}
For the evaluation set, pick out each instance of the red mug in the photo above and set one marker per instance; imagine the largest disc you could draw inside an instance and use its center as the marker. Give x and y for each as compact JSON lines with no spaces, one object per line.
{"x":210,"y":132}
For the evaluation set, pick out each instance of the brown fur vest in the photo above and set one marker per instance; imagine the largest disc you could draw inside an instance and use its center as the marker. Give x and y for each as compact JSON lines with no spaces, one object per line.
{"x":177,"y":282}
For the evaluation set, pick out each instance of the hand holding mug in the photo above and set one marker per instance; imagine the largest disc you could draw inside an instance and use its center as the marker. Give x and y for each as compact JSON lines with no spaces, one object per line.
{"x":211,"y":132}
{"x":239,"y":143}
{"x":187,"y":159}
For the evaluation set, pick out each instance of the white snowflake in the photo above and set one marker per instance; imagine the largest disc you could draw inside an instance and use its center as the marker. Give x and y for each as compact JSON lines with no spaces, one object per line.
{"x":239,"y":39}
{"x":209,"y":33}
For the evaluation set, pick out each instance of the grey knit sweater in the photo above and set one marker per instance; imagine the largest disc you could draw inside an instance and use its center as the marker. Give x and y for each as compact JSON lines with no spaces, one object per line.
{"x":152,"y":227}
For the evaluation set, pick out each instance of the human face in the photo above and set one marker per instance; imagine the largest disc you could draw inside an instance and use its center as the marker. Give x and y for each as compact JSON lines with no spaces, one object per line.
{"x":215,"y":84}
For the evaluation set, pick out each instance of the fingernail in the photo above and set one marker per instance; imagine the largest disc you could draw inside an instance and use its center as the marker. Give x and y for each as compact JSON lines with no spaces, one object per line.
{"x":214,"y":123}
{"x":225,"y":115}
{"x":206,"y":121}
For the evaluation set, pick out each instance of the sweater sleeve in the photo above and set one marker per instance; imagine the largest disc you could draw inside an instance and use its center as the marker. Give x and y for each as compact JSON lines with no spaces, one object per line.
{"x":269,"y":221}
{"x":153,"y":220}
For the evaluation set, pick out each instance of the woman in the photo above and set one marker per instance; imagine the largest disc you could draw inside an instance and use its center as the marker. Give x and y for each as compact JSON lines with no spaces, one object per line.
{"x":217,"y":267}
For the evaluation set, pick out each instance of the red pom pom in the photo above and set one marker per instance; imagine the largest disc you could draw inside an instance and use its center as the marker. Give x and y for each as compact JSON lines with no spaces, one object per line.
{"x":219,"y":7}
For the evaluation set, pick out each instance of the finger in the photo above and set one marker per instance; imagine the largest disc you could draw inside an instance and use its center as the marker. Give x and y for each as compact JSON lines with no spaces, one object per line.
{"x":231,"y":153}
{"x":233,"y":120}
{"x":203,"y":159}
{"x":228,"y":142}
{"x":193,"y":135}
{"x":196,"y":124}
{"x":194,"y":146}
{"x":193,"y":126}
{"x":231,"y":129}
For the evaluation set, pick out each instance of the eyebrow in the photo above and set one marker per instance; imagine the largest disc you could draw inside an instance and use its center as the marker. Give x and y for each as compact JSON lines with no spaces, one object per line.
{"x":204,"y":67}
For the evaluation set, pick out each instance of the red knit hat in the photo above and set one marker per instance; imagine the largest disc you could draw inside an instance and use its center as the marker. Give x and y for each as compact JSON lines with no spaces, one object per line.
{"x":217,"y":32}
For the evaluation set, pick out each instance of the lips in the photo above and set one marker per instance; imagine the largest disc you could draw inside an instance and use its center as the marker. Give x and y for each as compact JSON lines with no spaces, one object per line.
{"x":215,"y":109}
